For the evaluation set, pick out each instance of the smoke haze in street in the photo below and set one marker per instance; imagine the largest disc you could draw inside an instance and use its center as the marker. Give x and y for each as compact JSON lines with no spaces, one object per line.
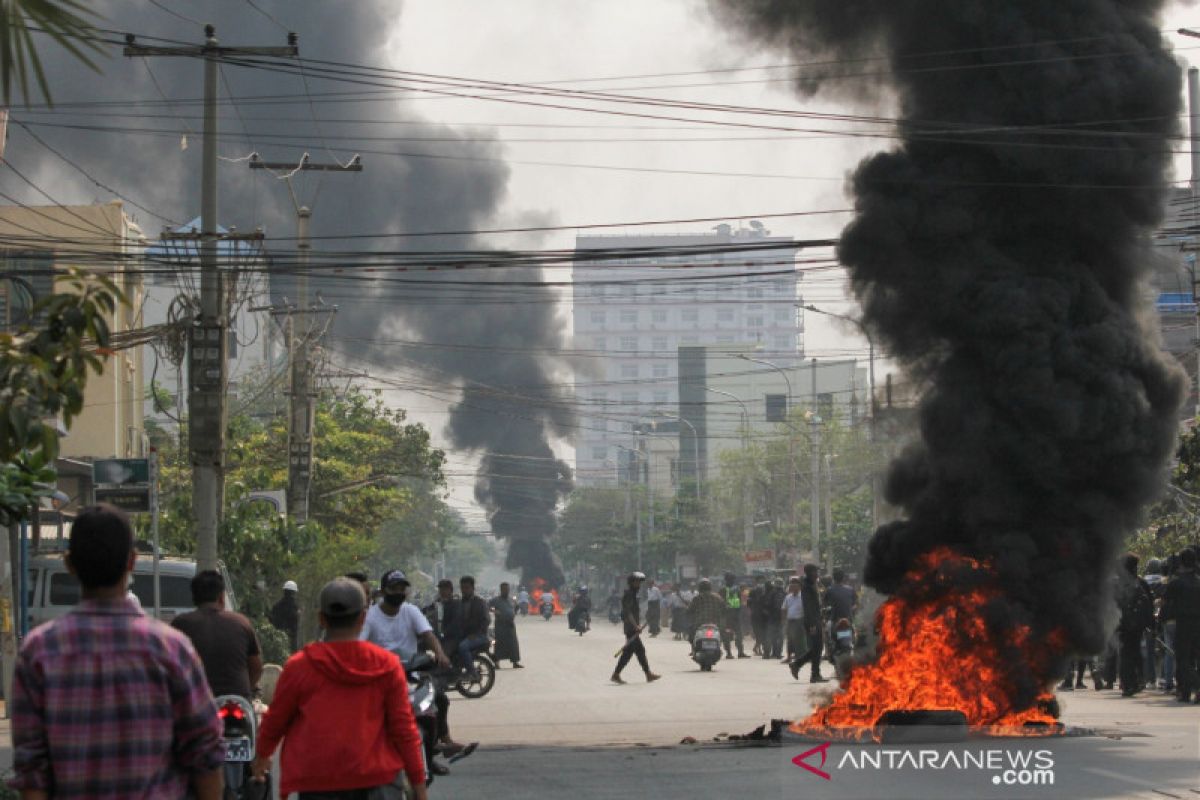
{"x":998,"y":252}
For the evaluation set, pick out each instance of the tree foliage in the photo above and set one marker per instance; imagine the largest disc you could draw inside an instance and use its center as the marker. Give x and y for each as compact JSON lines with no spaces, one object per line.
{"x":64,"y":21}
{"x":1174,"y":521}
{"x":44,"y":368}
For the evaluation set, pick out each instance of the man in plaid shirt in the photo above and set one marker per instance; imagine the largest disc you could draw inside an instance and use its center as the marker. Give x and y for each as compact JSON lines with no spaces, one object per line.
{"x":106,"y":702}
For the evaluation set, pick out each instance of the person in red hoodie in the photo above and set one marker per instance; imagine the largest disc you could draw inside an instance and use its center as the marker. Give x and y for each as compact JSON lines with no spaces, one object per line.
{"x":341,"y":708}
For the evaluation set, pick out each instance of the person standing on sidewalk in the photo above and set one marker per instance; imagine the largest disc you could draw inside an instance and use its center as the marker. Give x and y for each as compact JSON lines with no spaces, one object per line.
{"x":812,"y":626}
{"x":631,"y":616}
{"x":107,"y":702}
{"x":342,"y":711}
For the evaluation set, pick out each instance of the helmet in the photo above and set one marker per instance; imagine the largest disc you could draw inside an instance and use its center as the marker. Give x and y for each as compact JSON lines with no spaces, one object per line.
{"x":705,"y":585}
{"x":583,"y":590}
{"x":637,"y":576}
{"x":290,"y":586}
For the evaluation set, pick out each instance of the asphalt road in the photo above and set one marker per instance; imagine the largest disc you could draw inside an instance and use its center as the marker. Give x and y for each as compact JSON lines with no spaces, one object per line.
{"x":559,"y":728}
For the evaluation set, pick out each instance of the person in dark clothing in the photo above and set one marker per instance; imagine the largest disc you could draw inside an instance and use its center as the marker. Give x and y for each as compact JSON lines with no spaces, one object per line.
{"x":707,"y":607}
{"x":1137,"y":614}
{"x":758,"y":613}
{"x":631,"y":616}
{"x":1181,"y":603}
{"x":285,"y":615}
{"x":841,"y":598}
{"x":732,"y":593}
{"x":812,"y":626}
{"x":475,"y":623}
{"x":224,"y":640}
{"x":507,"y":646}
{"x":445,"y":615}
{"x":774,"y":628}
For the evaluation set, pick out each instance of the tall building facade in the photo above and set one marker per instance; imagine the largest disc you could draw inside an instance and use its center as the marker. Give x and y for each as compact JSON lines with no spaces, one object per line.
{"x":637,"y":299}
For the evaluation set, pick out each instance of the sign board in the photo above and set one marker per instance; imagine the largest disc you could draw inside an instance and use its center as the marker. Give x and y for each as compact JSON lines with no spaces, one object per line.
{"x":133,"y":499}
{"x":121,"y":472}
{"x":759,"y":560}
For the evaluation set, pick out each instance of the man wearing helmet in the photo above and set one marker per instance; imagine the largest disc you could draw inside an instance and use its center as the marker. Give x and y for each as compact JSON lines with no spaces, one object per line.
{"x":285,"y":615}
{"x":631,"y":616}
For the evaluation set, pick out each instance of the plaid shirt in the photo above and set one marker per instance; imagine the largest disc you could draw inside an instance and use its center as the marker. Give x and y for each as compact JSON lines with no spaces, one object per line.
{"x":109,"y":703}
{"x":708,"y":608}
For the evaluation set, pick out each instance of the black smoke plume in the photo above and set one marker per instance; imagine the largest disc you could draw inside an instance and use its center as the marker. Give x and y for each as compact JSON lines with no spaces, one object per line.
{"x":489,"y":357}
{"x":999,"y":254}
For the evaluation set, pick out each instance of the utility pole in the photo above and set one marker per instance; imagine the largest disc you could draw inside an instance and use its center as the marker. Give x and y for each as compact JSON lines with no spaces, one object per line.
{"x":301,"y":403}
{"x":814,"y":422}
{"x":208,"y":346}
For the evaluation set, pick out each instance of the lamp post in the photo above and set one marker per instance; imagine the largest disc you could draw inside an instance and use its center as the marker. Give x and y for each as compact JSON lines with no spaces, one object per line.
{"x":695,"y":446}
{"x":747,"y":518}
{"x":637,"y":505}
{"x":791,"y":444}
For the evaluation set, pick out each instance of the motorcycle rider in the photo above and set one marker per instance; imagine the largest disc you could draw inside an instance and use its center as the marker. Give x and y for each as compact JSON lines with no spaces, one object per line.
{"x":475,"y":623}
{"x":707,"y":607}
{"x":581,"y":607}
{"x":523,"y":601}
{"x":732,"y":594}
{"x":401,"y":628}
{"x":285,"y":614}
{"x":224,"y":640}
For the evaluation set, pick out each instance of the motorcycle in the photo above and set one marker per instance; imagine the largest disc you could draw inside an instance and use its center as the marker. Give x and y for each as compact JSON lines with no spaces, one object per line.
{"x":423,"y":686}
{"x":614,"y":615}
{"x":706,"y":646}
{"x":484,"y":678}
{"x":580,"y":620}
{"x":547,"y":609}
{"x":239,"y":733}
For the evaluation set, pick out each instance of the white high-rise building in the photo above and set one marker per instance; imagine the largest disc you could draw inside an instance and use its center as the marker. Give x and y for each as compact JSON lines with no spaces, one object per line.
{"x":638,"y":299}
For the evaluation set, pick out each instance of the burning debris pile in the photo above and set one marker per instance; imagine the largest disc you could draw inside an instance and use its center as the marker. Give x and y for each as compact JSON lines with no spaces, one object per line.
{"x":998,"y":253}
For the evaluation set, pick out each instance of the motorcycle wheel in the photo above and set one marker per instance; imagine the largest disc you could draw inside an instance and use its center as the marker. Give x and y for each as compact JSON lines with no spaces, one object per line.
{"x":486,"y":668}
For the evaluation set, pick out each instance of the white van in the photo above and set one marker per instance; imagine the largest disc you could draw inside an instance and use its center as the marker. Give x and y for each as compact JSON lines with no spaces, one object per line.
{"x":53,"y":591}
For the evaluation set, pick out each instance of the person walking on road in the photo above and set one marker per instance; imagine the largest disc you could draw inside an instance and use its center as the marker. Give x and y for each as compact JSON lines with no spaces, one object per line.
{"x":285,"y":615}
{"x":507,"y":647}
{"x":342,"y":711}
{"x":793,"y":614}
{"x":107,"y":702}
{"x":631,"y":616}
{"x":733,"y":615}
{"x":812,"y":626}
{"x":653,"y":608}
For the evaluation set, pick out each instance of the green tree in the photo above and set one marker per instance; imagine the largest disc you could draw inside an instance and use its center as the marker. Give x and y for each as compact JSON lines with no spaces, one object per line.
{"x":44,"y":368}
{"x":1174,"y":521}
{"x":64,"y":21}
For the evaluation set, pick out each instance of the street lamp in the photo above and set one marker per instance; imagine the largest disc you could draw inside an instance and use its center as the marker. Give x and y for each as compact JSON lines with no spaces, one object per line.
{"x":747,"y":528}
{"x":695,"y":446}
{"x":786,"y":421}
{"x":637,"y":510}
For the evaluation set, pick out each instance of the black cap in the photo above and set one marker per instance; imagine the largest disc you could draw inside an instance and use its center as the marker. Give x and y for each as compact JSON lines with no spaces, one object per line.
{"x":391,"y":578}
{"x":342,"y":597}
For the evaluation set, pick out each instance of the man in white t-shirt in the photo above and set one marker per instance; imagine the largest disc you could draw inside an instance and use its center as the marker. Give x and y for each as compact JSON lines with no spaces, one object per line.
{"x":793,"y":610}
{"x":401,"y":628}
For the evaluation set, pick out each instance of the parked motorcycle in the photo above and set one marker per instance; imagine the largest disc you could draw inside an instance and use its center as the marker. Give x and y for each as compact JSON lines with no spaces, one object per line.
{"x":706,"y":646}
{"x":239,"y":723}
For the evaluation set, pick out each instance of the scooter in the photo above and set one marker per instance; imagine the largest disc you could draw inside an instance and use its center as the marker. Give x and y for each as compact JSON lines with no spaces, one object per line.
{"x":239,"y":734}
{"x":547,"y":609}
{"x":581,"y":620}
{"x":614,"y":614}
{"x":706,"y":646}
{"x":423,"y":687}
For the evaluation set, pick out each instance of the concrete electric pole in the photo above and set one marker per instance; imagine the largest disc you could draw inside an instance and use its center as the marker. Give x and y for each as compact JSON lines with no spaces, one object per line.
{"x":301,"y":405}
{"x":208,"y":343}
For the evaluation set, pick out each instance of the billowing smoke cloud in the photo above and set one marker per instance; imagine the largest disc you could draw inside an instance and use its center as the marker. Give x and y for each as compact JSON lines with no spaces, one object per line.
{"x":490,"y":344}
{"x":998,"y":253}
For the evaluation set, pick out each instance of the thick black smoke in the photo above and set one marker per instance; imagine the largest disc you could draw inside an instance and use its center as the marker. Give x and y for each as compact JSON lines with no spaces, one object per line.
{"x":999,"y":253}
{"x":489,"y":345}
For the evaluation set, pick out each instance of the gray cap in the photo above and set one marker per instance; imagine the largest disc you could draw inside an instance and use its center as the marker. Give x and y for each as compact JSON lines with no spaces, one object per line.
{"x":342,"y":597}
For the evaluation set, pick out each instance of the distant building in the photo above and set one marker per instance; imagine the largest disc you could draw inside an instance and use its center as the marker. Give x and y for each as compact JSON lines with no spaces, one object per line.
{"x":41,"y":239}
{"x":635,"y":304}
{"x":730,"y":393}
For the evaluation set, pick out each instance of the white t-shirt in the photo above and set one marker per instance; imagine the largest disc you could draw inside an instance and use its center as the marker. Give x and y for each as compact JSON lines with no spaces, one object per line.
{"x":794,"y":605}
{"x":399,"y":633}
{"x":653,"y":595}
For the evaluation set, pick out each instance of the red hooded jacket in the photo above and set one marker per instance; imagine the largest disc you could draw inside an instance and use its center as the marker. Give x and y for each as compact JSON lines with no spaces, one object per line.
{"x":343,"y":713}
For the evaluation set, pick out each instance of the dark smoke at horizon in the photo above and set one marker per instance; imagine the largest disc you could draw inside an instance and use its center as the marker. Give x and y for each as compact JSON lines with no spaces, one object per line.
{"x":986,"y":258}
{"x":507,"y":410}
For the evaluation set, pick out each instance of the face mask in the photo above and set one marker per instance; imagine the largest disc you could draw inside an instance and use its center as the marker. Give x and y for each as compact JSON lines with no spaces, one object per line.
{"x":393,"y":600}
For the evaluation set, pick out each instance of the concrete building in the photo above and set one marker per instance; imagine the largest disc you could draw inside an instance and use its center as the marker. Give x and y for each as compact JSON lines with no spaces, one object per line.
{"x":638,"y":299}
{"x":36,"y":240}
{"x":728,"y":394}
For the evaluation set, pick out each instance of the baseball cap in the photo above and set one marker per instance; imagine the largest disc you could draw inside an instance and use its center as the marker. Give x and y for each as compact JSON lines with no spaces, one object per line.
{"x":342,"y":597}
{"x":392,"y":577}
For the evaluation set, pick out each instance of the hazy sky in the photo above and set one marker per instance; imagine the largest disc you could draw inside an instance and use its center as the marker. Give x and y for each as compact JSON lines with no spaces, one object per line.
{"x":569,"y":167}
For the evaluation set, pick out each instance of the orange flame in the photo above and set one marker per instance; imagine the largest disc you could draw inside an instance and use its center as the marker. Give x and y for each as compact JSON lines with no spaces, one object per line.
{"x":538,"y":591}
{"x":936,"y":652}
